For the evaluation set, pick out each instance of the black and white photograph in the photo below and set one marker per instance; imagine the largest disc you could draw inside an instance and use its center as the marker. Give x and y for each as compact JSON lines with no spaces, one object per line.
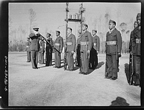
{"x":74,"y":54}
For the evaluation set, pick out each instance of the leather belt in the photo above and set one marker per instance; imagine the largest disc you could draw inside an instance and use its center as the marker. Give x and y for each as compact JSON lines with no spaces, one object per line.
{"x":69,"y":43}
{"x":111,"y":42}
{"x":83,"y":43}
{"x":57,"y":44}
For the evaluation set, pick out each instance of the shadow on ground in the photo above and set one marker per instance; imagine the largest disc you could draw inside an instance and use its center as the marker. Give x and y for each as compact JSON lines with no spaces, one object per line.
{"x":119,"y":101}
{"x":100,"y":65}
{"x":126,"y":69}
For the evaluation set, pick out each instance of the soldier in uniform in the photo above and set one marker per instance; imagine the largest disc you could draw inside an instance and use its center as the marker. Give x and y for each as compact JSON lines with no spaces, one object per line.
{"x":78,"y":49}
{"x":41,"y":51}
{"x":113,"y":50}
{"x":136,"y":48}
{"x":58,"y":44}
{"x":86,"y":45}
{"x":34,"y":47}
{"x":94,"y":51}
{"x":131,"y":61}
{"x":70,"y":48}
{"x":28,"y":50}
{"x":49,"y":50}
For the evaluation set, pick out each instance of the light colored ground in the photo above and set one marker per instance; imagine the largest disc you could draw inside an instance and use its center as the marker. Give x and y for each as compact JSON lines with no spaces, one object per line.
{"x":48,"y":86}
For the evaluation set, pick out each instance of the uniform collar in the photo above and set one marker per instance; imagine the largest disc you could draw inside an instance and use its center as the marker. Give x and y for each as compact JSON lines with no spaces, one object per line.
{"x":110,"y":31}
{"x":69,"y":34}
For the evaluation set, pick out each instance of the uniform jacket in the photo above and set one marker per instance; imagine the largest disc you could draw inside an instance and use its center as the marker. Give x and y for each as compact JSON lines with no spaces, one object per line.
{"x":28,"y":43}
{"x":59,"y":40}
{"x":96,"y":43}
{"x":42,"y":46}
{"x":50,"y":42}
{"x":34,"y":42}
{"x":114,"y":36}
{"x":136,"y":41}
{"x":71,"y":43}
{"x":86,"y":37}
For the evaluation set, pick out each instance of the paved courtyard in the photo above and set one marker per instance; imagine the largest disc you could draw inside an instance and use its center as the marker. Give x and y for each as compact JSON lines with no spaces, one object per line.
{"x":48,"y":86}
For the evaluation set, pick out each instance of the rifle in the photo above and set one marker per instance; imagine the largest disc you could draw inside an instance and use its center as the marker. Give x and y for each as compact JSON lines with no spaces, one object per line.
{"x":65,"y":61}
{"x":131,"y":77}
{"x":49,"y":44}
{"x":105,"y":63}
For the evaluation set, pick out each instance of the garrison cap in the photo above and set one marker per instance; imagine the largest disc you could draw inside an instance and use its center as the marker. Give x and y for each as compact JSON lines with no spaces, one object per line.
{"x":112,"y":21}
{"x":48,"y":34}
{"x":58,"y":31}
{"x":69,"y":28}
{"x":85,"y":25}
{"x":36,"y":29}
{"x":138,"y":16}
{"x":94,"y":30}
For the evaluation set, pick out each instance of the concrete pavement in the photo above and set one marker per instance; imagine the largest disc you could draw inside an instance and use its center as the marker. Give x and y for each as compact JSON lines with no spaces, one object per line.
{"x":48,"y":86}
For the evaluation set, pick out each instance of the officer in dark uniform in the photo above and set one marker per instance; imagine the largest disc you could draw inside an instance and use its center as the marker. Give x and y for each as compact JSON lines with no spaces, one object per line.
{"x":136,"y":48}
{"x":28,"y":50}
{"x":70,"y":48}
{"x":113,"y":50}
{"x":41,"y":51}
{"x":49,"y":50}
{"x":34,"y":47}
{"x":78,"y":50}
{"x":131,"y":60}
{"x":94,"y":51}
{"x":58,"y":44}
{"x":86,"y":45}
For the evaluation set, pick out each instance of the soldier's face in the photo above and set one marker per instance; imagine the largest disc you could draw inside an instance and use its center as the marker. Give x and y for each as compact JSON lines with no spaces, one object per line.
{"x":111,"y":25}
{"x":68,"y":31}
{"x":93,"y":32}
{"x":84,"y":27}
{"x":57,"y":34}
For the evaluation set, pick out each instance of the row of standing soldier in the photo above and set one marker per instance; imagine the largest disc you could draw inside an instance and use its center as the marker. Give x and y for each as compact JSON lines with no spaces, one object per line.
{"x":135,"y":53}
{"x":87,"y":48}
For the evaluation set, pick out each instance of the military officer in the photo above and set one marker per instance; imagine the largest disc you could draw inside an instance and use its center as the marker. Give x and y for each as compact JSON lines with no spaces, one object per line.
{"x":41,"y":51}
{"x":94,"y":51}
{"x":113,"y":50}
{"x":28,"y":50}
{"x":131,"y":67}
{"x":58,"y":44}
{"x":136,"y":48}
{"x":34,"y":47}
{"x":49,"y":50}
{"x":70,"y":48}
{"x":86,"y":45}
{"x":78,"y":49}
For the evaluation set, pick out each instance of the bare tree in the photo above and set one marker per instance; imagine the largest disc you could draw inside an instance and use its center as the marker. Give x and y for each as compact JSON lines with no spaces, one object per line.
{"x":32,"y":17}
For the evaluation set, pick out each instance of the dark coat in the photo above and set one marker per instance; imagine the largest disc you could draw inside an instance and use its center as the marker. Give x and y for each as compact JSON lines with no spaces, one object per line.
{"x":59,"y":40}
{"x":34,"y":42}
{"x":114,"y":36}
{"x":86,"y":37}
{"x":72,"y":40}
{"x":136,"y":41}
{"x":96,"y":43}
